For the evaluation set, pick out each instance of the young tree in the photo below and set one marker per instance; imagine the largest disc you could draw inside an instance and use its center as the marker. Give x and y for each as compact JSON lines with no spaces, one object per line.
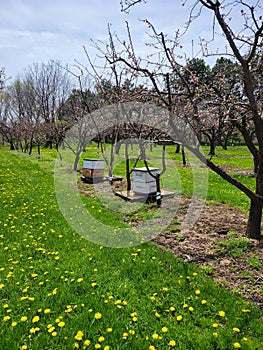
{"x":245,"y":45}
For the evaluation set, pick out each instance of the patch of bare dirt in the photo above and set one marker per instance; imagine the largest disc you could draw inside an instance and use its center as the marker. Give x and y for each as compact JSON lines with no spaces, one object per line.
{"x":200,"y":245}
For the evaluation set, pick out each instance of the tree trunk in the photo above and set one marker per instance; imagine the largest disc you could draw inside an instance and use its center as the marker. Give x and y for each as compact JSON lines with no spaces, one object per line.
{"x":12,"y":146}
{"x":76,"y":161}
{"x":255,"y":211}
{"x":212,"y":150}
{"x":254,"y":220}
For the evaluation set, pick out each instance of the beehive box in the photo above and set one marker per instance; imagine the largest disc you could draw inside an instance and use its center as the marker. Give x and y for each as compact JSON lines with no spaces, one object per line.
{"x":143,"y":182}
{"x":93,"y":168}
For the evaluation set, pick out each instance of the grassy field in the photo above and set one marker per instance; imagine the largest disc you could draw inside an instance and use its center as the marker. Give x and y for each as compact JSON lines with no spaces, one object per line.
{"x":60,"y":291}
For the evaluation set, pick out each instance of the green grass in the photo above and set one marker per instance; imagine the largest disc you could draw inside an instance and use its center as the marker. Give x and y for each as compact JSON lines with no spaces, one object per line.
{"x":60,"y":291}
{"x":233,"y":245}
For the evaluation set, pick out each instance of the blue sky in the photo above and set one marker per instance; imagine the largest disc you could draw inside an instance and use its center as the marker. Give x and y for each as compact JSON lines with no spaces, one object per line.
{"x":36,"y":31}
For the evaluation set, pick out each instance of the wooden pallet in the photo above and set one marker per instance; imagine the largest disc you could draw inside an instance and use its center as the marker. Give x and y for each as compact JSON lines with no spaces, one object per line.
{"x":139,"y":197}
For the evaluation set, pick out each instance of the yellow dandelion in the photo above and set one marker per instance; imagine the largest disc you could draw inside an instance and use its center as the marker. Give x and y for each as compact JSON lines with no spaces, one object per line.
{"x":179,"y":318}
{"x":172,"y":343}
{"x":164,"y":329}
{"x":79,"y":335}
{"x":97,"y":346}
{"x":109,"y":330}
{"x":87,"y":342}
{"x":101,"y":339}
{"x":98,"y":315}
{"x":51,"y":329}
{"x":35,"y":319}
{"x":155,"y":336}
{"x":23,"y":319}
{"x":61,"y":324}
{"x":222,"y":313}
{"x":237,"y":345}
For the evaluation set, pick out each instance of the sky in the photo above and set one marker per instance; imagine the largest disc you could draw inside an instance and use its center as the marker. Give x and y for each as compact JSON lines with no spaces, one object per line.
{"x":36,"y":31}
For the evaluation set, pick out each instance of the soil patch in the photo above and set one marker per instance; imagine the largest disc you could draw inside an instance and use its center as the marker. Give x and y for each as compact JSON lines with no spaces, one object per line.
{"x":242,"y":274}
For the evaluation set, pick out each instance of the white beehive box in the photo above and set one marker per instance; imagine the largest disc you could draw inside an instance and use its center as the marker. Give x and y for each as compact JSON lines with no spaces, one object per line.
{"x":143,"y":182}
{"x":93,"y":163}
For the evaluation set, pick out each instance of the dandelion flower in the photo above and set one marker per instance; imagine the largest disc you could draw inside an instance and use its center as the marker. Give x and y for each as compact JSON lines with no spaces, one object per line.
{"x":51,"y":329}
{"x":61,"y":324}
{"x":35,"y":319}
{"x":222,"y":313}
{"x":179,"y":317}
{"x":97,"y":315}
{"x":151,"y":347}
{"x":97,"y":346}
{"x":79,"y":335}
{"x":164,"y":329}
{"x":235,"y":329}
{"x":237,"y":345}
{"x":172,"y":343}
{"x":24,"y":347}
{"x":215,"y":334}
{"x":203,"y":302}
{"x":23,"y":319}
{"x":109,"y":330}
{"x":215,"y":325}
{"x":155,"y":336}
{"x":6,"y":318}
{"x":87,"y":342}
{"x":101,"y":339}
{"x":106,"y":347}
